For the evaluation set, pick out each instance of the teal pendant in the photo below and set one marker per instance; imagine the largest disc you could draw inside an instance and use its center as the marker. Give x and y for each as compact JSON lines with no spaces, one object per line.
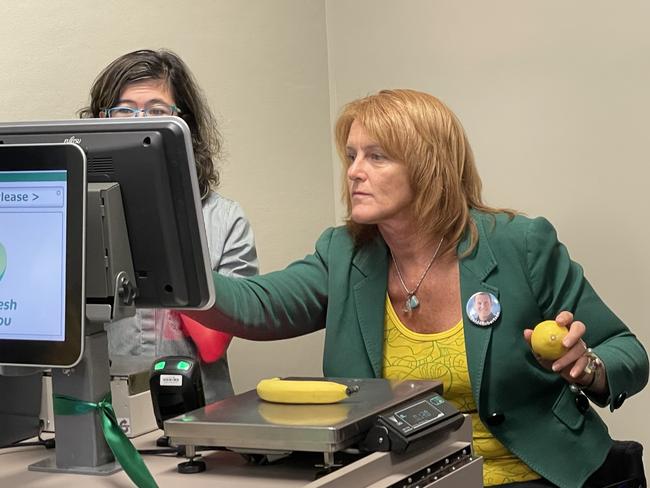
{"x":411,"y":304}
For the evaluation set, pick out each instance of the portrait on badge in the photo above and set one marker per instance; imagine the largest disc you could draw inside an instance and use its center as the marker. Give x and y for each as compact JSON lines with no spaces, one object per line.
{"x":483,"y":308}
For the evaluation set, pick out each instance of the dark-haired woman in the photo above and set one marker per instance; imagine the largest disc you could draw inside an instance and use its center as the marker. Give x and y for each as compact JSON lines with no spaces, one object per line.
{"x":158,"y":83}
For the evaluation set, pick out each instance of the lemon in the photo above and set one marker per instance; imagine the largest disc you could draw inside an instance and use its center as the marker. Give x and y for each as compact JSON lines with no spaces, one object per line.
{"x":547,"y":339}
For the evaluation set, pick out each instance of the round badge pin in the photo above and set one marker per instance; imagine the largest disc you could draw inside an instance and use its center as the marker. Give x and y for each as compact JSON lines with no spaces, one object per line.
{"x":483,"y":308}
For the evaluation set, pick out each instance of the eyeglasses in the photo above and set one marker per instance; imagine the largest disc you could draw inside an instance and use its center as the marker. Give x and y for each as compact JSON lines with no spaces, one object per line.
{"x":157,"y":110}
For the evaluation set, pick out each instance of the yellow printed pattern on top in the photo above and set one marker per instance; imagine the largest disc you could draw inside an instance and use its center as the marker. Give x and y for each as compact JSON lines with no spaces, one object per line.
{"x":442,"y":356}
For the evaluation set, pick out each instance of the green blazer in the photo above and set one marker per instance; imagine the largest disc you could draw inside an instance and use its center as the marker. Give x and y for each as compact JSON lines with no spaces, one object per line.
{"x":520,"y":261}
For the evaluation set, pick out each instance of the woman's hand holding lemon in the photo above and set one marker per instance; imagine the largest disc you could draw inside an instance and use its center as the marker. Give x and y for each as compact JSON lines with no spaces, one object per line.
{"x":558,"y":346}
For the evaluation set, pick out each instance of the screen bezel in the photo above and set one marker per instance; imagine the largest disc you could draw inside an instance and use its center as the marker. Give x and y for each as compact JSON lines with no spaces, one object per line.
{"x":47,"y":157}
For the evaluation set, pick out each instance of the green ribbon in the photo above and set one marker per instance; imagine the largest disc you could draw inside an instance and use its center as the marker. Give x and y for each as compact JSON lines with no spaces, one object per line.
{"x":124,"y":452}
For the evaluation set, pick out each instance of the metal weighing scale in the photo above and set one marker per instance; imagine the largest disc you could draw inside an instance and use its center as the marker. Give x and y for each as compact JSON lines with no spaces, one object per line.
{"x":388,"y":434}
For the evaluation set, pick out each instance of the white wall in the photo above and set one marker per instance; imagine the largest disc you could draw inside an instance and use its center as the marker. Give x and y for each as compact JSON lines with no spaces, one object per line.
{"x":554,"y":97}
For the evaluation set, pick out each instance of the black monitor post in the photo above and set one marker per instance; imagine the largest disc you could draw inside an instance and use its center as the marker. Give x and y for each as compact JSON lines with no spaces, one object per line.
{"x":142,"y":184}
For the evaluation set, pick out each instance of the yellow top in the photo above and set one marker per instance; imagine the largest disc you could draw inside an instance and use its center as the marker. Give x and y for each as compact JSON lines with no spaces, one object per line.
{"x":442,"y":356}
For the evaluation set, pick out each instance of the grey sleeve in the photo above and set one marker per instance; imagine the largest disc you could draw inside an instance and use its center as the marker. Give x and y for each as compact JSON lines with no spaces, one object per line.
{"x":230,"y":239}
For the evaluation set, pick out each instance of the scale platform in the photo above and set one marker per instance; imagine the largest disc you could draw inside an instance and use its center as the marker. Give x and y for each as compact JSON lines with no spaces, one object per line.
{"x":246,"y":423}
{"x":388,"y":434}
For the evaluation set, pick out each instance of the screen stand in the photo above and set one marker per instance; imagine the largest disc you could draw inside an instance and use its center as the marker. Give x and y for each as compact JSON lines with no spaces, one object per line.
{"x":80,"y":444}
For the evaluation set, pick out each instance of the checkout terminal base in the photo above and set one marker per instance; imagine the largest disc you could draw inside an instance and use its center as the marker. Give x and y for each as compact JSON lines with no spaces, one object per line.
{"x":48,"y":465}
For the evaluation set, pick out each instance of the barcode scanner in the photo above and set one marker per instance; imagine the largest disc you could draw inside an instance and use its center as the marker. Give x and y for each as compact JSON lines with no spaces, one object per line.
{"x":176,"y":387}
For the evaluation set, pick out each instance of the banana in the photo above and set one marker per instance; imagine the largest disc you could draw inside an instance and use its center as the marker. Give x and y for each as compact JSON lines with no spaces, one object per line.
{"x":303,"y":391}
{"x":313,"y":415}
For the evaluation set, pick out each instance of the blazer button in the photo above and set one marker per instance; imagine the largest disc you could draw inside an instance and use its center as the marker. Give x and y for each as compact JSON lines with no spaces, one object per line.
{"x":620,"y":399}
{"x":582,"y":402}
{"x":495,"y":418}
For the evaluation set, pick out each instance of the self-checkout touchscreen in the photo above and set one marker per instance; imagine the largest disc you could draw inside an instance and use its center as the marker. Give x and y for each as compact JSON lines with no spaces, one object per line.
{"x":33,"y":255}
{"x":42,"y":254}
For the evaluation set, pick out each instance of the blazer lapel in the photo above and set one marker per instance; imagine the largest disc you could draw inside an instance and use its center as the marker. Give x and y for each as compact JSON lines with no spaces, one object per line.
{"x":369,"y":294}
{"x":474,"y":269}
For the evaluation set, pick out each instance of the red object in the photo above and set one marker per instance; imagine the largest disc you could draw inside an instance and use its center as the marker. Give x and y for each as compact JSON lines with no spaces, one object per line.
{"x":211,"y":344}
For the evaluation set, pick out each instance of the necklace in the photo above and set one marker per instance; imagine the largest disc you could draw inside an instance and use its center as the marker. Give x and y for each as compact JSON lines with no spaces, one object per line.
{"x":412,"y":301}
